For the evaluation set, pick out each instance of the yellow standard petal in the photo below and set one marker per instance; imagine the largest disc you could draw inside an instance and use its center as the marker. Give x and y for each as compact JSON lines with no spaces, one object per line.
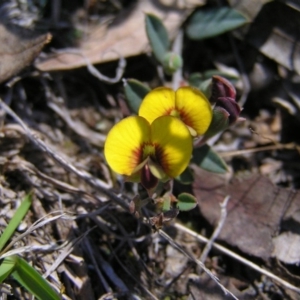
{"x":159,"y":102}
{"x":173,"y":144}
{"x":194,"y":108}
{"x":123,"y":147}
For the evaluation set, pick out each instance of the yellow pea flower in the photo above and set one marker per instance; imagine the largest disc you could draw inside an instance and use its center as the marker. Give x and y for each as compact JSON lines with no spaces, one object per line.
{"x":188,"y":104}
{"x":136,"y":148}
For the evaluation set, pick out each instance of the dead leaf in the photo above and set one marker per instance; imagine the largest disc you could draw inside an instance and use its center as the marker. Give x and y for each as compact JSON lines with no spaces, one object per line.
{"x":18,"y":47}
{"x":175,"y":262}
{"x":287,"y":247}
{"x":203,"y":288}
{"x":256,"y":210}
{"x":275,"y":34}
{"x":249,"y":9}
{"x":125,"y":38}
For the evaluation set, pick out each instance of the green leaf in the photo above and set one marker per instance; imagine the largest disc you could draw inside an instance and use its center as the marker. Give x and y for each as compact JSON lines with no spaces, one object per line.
{"x":186,"y":202}
{"x":186,"y":177}
{"x":135,"y":91}
{"x":208,"y":23}
{"x":209,"y":160}
{"x":15,"y":221}
{"x":219,"y":122}
{"x":210,"y":73}
{"x":32,"y":281}
{"x":205,"y":87}
{"x":195,"y":79}
{"x":166,"y":203}
{"x":158,"y":36}
{"x":6,"y":267}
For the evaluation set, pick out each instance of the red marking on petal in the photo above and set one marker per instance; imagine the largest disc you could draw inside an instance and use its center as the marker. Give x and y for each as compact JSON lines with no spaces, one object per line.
{"x":169,"y":111}
{"x":184,"y":117}
{"x":137,"y":156}
{"x":160,"y":158}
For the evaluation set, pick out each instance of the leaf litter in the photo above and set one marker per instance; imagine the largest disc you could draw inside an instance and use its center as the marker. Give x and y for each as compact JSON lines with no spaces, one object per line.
{"x":87,"y":243}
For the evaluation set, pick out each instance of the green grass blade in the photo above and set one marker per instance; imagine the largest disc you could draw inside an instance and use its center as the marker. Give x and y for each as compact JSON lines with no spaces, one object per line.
{"x":15,"y":221}
{"x":32,"y":281}
{"x":6,"y":267}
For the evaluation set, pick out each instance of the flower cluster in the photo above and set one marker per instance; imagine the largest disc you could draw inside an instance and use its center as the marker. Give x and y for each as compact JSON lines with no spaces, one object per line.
{"x":157,"y":144}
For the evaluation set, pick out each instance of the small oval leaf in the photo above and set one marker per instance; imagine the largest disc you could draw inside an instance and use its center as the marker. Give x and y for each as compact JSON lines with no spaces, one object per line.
{"x":186,"y":202}
{"x":206,"y":158}
{"x":158,"y":36}
{"x":135,"y":91}
{"x":212,"y":22}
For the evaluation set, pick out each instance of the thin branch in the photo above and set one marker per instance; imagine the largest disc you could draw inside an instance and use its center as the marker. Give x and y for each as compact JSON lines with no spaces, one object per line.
{"x":88,"y":249}
{"x":66,"y":252}
{"x":39,"y":223}
{"x":198,"y":262}
{"x":217,"y":230}
{"x":94,"y":182}
{"x":77,"y":126}
{"x":290,"y":146}
{"x":137,"y":281}
{"x":34,"y":248}
{"x":94,"y":71}
{"x":239,"y":258}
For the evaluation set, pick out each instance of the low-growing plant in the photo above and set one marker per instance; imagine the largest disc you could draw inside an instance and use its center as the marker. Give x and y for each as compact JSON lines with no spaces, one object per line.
{"x":171,"y":128}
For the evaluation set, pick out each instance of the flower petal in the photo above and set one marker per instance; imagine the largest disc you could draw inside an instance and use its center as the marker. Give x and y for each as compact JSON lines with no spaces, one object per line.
{"x":123,"y":145}
{"x":159,"y":102}
{"x":194,"y":107}
{"x":173,"y":144}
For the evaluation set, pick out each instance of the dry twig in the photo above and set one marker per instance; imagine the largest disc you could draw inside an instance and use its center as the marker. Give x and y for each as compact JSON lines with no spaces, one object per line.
{"x":94,"y":71}
{"x":217,"y":230}
{"x":95,"y":182}
{"x":239,"y":258}
{"x":198,"y":262}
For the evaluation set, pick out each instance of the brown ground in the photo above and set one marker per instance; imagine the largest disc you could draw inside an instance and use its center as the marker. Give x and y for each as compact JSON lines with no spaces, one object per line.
{"x":96,"y":248}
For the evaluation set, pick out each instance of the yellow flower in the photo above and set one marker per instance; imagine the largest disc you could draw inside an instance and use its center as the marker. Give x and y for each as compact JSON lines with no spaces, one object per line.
{"x":162,"y":148}
{"x":187,"y":103}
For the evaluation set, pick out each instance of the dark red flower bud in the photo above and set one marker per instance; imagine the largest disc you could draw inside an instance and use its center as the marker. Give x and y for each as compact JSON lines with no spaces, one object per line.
{"x":223,"y":95}
{"x":226,"y":111}
{"x":221,"y":87}
{"x":231,"y":107}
